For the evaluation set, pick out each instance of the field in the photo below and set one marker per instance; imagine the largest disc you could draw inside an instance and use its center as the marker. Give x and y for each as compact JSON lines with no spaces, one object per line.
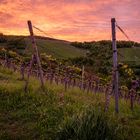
{"x":51,"y":114}
{"x":130,"y":54}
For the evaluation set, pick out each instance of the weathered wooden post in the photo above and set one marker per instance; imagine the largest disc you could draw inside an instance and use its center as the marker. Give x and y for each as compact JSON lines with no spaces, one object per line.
{"x":36,"y":53}
{"x":115,"y":64}
{"x":22,"y":70}
{"x":83,"y":72}
{"x":132,"y":94}
{"x":66,"y":80}
{"x":107,"y":98}
{"x":29,"y":73}
{"x":5,"y":60}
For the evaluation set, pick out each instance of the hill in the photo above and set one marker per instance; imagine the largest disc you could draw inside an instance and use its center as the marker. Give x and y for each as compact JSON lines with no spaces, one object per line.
{"x":57,"y":48}
{"x":55,"y":114}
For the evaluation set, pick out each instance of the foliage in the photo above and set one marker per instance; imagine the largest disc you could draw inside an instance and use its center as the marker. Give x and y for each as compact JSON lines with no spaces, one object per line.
{"x":4,"y":54}
{"x":101,"y":56}
{"x":84,"y":45}
{"x":126,"y":75}
{"x":120,"y":44}
{"x":98,"y":58}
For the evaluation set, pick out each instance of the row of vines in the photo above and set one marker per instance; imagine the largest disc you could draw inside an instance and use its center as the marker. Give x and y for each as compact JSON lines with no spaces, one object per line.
{"x":70,"y":76}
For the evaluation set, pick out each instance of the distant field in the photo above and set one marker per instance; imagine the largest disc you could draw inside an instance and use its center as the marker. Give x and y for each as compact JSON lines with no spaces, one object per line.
{"x":130,"y":54}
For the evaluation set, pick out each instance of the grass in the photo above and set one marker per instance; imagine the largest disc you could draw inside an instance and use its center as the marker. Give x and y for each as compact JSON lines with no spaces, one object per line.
{"x":57,"y":48}
{"x":130,"y":54}
{"x":55,"y":114}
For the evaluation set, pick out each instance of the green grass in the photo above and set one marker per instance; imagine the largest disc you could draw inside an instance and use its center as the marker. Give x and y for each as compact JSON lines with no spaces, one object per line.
{"x":57,"y":48}
{"x":130,"y":54}
{"x":56,"y":114}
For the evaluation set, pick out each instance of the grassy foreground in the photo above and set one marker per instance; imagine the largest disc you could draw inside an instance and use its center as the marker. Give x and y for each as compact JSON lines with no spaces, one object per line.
{"x":58,"y":115}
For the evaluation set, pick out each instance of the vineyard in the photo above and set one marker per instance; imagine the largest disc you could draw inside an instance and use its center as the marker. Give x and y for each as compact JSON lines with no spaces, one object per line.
{"x":56,"y":96}
{"x":68,"y":76}
{"x":55,"y":113}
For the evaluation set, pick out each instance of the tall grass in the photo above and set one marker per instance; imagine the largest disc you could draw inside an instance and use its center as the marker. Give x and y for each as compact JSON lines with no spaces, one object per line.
{"x":92,"y":124}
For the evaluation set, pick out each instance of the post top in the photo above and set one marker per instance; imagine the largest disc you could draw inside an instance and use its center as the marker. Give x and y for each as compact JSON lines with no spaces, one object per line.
{"x":113,"y":20}
{"x":29,"y":21}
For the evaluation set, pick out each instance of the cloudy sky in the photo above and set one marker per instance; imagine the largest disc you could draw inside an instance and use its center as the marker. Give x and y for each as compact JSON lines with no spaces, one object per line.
{"x":81,"y":20}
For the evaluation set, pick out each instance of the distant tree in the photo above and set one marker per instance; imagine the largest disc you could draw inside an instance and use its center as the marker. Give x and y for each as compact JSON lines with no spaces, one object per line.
{"x":2,"y":38}
{"x":120,"y":44}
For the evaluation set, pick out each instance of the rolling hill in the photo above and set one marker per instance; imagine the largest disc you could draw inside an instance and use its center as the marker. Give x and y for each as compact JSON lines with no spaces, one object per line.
{"x":57,"y":48}
{"x":61,"y":49}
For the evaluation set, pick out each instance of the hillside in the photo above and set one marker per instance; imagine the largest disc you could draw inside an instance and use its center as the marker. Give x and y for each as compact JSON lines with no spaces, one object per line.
{"x":100,"y":54}
{"x":57,"y":48}
{"x":58,"y":115}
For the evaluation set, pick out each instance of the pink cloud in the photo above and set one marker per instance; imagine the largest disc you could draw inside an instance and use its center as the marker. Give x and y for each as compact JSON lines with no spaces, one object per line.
{"x":71,"y":19}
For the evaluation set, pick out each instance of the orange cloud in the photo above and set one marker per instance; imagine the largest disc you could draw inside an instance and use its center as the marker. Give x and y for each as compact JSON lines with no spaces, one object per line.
{"x":81,"y":20}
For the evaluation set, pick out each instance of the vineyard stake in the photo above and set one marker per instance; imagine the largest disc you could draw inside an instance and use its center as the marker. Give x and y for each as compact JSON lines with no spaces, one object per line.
{"x":29,"y":73}
{"x":83,"y":72}
{"x":115,"y":64}
{"x":36,"y":53}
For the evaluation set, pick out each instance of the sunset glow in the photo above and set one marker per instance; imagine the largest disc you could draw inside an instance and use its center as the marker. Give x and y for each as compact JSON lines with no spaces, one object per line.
{"x":73,"y":20}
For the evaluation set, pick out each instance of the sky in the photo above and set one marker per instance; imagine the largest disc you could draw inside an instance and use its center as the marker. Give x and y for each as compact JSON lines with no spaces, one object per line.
{"x":72,"y":20}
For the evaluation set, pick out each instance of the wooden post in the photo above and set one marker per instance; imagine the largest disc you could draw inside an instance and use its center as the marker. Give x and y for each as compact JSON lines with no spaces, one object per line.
{"x":22,"y":70}
{"x":132,"y":99}
{"x":29,"y":73}
{"x":83,"y":72}
{"x":36,"y":53}
{"x":107,"y":99}
{"x":115,"y":64}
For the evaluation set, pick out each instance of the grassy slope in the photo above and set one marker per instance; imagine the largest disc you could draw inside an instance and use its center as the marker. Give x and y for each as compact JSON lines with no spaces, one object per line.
{"x":39,"y":115}
{"x":57,"y":48}
{"x":63,"y":49}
